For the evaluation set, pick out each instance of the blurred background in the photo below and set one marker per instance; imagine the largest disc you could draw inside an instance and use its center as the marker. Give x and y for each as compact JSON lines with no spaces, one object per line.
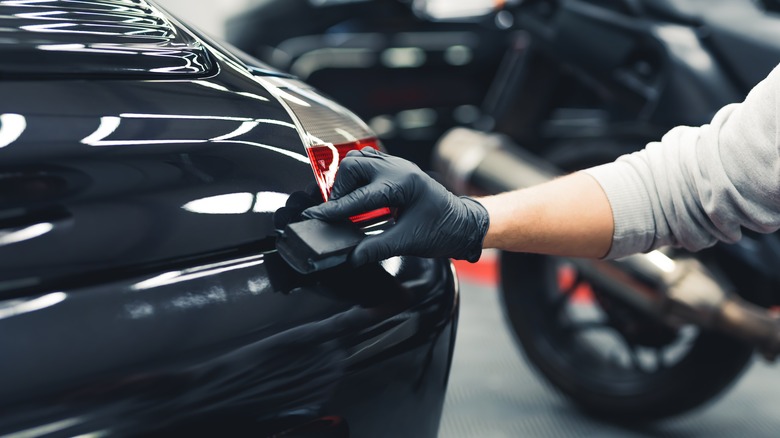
{"x":210,"y":16}
{"x":570,"y":84}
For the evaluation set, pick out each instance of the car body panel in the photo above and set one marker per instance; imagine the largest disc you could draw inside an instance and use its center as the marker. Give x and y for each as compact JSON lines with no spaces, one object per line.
{"x":223,"y":340}
{"x":99,"y":37}
{"x":99,"y":166}
{"x":140,"y":290}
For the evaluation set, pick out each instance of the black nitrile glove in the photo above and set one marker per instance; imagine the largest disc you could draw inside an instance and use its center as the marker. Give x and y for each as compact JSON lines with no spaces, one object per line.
{"x":432,"y":222}
{"x":295,"y":205}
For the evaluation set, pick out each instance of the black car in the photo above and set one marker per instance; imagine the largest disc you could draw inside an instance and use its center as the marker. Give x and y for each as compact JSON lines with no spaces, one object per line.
{"x":144,"y":174}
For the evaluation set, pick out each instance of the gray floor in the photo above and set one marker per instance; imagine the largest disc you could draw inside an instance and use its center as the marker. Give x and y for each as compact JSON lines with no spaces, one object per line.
{"x":493,"y":393}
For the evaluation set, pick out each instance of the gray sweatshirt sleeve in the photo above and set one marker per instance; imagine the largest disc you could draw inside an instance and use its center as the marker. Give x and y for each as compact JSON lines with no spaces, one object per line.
{"x":700,"y":185}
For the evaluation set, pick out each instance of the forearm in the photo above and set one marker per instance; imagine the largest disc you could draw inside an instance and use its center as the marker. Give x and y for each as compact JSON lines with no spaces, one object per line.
{"x":569,"y":216}
{"x":700,"y":185}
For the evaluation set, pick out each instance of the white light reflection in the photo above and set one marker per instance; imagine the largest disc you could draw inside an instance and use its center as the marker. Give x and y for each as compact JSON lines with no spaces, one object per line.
{"x":238,"y":203}
{"x":252,"y":96}
{"x":192,"y":62}
{"x":392,"y":265}
{"x":661,"y":261}
{"x":346,"y":134}
{"x":20,"y":307}
{"x":144,"y":142}
{"x":321,"y":59}
{"x":258,"y":285}
{"x":300,"y":157}
{"x":107,"y":126}
{"x":27,"y":233}
{"x":157,"y":280}
{"x":276,"y":122}
{"x":215,"y":294}
{"x":62,"y":28}
{"x":198,"y":272}
{"x":449,"y":10}
{"x":139,"y":310}
{"x":458,"y":55}
{"x":211,"y":85}
{"x":333,"y":167}
{"x":82,"y":48}
{"x":283,"y":85}
{"x":417,"y":118}
{"x":26,"y":2}
{"x":134,"y":20}
{"x":175,"y":69}
{"x":685,"y":43}
{"x":182,"y":116}
{"x":383,"y":125}
{"x":319,"y":3}
{"x":269,"y":202}
{"x":505,"y":20}
{"x":218,"y":87}
{"x":403,"y":57}
{"x":314,"y":140}
{"x":38,"y":15}
{"x":11,"y":128}
{"x":232,"y":203}
{"x":46,"y":429}
{"x":241,"y":130}
{"x":290,"y":98}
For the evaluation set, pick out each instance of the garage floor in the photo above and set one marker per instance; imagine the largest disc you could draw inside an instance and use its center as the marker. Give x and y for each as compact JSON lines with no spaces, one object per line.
{"x":493,"y":393}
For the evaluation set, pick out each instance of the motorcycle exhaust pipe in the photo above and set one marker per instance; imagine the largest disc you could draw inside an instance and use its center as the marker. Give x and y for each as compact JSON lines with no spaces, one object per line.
{"x":674,"y":291}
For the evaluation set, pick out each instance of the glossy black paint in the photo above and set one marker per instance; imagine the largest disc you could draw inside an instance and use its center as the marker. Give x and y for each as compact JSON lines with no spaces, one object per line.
{"x":139,"y":287}
{"x":99,"y":37}
{"x":131,"y":197}
{"x":219,"y":341}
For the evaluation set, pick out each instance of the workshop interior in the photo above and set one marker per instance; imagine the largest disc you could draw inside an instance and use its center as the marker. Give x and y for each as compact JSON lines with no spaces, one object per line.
{"x":158,"y":276}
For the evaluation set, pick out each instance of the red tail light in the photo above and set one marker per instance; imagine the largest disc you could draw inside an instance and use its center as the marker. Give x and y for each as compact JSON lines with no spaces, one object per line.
{"x":325,"y":160}
{"x":328,"y":131}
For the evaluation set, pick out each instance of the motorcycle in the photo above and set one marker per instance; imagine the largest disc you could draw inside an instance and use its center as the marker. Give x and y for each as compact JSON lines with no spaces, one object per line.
{"x":652,"y":335}
{"x":576,"y":83}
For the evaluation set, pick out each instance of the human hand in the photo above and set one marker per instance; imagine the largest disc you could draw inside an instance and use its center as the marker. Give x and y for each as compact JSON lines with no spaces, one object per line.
{"x":432,"y":222}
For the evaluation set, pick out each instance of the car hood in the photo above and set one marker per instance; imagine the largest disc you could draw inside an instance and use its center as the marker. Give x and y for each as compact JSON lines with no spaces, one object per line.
{"x":98,"y":37}
{"x":105,"y":38}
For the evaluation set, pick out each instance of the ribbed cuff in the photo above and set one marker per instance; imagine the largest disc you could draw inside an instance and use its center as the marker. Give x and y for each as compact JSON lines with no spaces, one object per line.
{"x":631,"y":208}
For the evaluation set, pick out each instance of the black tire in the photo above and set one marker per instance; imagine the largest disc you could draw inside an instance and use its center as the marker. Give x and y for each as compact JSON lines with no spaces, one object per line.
{"x":707,"y":365}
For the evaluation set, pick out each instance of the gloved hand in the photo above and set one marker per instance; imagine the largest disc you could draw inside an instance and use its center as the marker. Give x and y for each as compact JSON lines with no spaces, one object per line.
{"x":432,"y":222}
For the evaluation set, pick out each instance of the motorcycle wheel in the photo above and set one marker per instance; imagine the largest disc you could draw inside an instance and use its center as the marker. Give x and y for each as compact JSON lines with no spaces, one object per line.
{"x":613,"y":362}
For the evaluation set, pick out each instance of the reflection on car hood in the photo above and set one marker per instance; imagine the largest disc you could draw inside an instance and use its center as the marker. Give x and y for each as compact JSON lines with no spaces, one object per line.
{"x":95,"y":37}
{"x":104,"y":178}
